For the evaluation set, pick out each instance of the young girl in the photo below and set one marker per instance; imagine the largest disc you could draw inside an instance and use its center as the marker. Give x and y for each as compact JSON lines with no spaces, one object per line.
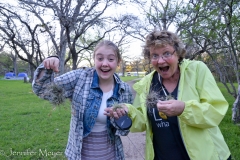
{"x":93,"y":135}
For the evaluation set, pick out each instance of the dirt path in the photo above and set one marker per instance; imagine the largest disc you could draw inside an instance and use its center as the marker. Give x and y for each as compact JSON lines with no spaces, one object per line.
{"x":134,"y":143}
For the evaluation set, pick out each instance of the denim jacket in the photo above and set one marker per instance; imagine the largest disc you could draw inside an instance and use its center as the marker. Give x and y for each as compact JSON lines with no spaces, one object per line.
{"x":81,"y":87}
{"x":93,"y":104}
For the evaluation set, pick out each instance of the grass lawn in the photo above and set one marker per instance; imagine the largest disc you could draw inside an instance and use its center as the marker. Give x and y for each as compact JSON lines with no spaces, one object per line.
{"x":231,"y":132}
{"x":31,"y":129}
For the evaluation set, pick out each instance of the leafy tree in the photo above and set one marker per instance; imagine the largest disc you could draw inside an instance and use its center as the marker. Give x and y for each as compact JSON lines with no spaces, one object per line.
{"x":211,"y":26}
{"x":209,"y":29}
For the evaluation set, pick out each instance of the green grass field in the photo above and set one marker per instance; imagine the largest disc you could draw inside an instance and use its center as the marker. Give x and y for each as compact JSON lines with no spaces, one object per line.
{"x":128,"y":78}
{"x":231,"y":132}
{"x":31,"y":129}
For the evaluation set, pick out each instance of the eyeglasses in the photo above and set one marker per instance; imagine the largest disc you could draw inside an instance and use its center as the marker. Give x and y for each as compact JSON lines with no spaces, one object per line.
{"x":165,"y":56}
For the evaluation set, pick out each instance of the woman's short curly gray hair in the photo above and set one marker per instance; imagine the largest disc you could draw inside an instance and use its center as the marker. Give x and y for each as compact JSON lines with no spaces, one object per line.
{"x":161,"y":39}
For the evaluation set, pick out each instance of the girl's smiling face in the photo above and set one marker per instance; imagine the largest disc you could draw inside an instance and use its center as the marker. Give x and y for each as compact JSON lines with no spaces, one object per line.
{"x":164,"y":60}
{"x":106,"y":62}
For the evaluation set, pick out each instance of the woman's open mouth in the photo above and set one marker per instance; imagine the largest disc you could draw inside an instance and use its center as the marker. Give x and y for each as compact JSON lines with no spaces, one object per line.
{"x":164,"y":69}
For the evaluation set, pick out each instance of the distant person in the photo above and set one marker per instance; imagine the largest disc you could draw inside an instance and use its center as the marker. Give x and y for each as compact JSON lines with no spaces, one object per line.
{"x":93,"y":135}
{"x":179,"y":105}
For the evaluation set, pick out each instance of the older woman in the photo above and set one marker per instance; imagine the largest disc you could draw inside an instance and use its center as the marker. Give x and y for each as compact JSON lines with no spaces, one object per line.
{"x":183,"y":122}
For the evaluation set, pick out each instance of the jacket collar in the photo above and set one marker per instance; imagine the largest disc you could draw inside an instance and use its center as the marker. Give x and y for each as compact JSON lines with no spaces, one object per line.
{"x":118,"y":83}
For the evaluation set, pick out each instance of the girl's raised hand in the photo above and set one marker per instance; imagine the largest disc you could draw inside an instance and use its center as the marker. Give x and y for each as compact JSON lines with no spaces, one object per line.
{"x":52,"y":63}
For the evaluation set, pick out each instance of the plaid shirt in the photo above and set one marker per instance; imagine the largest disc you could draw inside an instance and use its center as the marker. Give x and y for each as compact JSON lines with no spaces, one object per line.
{"x":77,"y":84}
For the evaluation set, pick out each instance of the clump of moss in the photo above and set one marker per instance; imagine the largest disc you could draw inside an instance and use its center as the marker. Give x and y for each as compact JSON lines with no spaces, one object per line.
{"x":55,"y":94}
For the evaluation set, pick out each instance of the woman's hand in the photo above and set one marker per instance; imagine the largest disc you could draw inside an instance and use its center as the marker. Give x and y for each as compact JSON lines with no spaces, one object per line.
{"x":52,"y":63}
{"x":171,"y":107}
{"x":115,"y":113}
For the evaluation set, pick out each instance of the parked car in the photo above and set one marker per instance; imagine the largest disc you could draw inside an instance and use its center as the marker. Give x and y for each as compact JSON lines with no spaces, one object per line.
{"x":128,"y":74}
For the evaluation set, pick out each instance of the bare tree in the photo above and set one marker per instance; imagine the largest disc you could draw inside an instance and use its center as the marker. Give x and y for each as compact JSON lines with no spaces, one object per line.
{"x":155,"y":14}
{"x":76,"y":18}
{"x":5,"y":62}
{"x":22,"y":38}
{"x":137,"y":64}
{"x":2,"y":47}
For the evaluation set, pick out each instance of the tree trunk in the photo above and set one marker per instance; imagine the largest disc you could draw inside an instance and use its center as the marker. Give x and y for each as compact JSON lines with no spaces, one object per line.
{"x":74,"y":64}
{"x":32,"y":69}
{"x":25,"y":80}
{"x":236,"y":108}
{"x":61,"y":63}
{"x":15,"y":66}
{"x":62,"y":57}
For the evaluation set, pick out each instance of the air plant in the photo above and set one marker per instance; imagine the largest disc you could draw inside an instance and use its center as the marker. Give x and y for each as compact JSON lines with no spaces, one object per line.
{"x":117,"y":106}
{"x":55,"y":94}
{"x":152,"y":100}
{"x":169,"y":97}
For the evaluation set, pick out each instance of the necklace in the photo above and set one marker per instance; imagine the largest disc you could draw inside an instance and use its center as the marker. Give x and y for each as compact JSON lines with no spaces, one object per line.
{"x":167,"y":96}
